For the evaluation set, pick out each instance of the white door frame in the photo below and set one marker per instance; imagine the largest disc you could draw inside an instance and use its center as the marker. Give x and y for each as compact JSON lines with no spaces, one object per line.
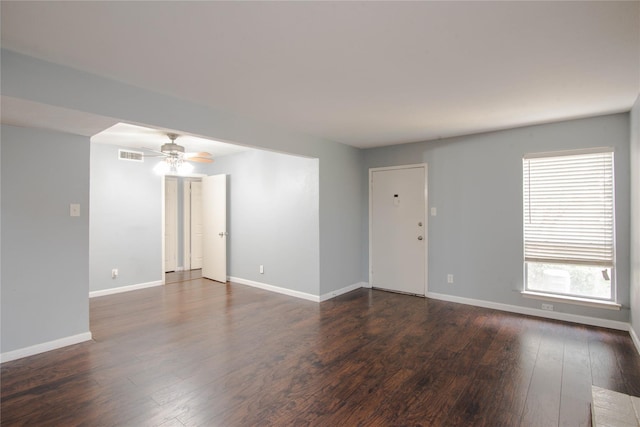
{"x":163,"y":225}
{"x":426,"y":217}
{"x":174,"y":225}
{"x":186,"y":224}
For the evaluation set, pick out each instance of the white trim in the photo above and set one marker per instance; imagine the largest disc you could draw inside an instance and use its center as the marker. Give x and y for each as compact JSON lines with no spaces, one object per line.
{"x":128,"y":288}
{"x":609,"y":305}
{"x":45,"y":346}
{"x":162,"y":242}
{"x":425,"y":166}
{"x":277,"y":289}
{"x":179,"y":268}
{"x":390,"y":168}
{"x":580,"y":151}
{"x":298,"y":294}
{"x":186,"y":224}
{"x":344,"y":290}
{"x":173,"y":226}
{"x":592,"y":321}
{"x":634,"y":338}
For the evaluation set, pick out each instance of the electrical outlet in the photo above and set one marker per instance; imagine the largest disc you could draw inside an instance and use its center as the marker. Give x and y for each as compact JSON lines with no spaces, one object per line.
{"x":449,"y":278}
{"x":261,"y":269}
{"x":114,"y":273}
{"x":548,"y":307}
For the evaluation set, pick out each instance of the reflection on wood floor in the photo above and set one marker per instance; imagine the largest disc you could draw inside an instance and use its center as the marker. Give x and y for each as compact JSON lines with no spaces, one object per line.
{"x":197,"y":352}
{"x":181,"y":276}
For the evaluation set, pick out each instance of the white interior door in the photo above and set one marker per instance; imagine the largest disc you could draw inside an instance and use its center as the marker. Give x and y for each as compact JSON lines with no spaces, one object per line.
{"x":196,"y":224}
{"x":398,"y":229}
{"x":214,"y":227}
{"x":170,"y":224}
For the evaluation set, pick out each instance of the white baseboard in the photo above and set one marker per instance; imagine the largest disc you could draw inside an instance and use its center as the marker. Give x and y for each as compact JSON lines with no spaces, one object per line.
{"x":45,"y":346}
{"x":297,"y":294}
{"x":128,"y":288}
{"x":277,"y":289}
{"x":634,"y":338}
{"x":585,"y":320}
{"x":179,"y":268}
{"x":344,"y":290}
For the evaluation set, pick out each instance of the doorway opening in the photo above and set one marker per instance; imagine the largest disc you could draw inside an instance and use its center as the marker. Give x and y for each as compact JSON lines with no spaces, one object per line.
{"x":182,"y":224}
{"x":195,"y":226}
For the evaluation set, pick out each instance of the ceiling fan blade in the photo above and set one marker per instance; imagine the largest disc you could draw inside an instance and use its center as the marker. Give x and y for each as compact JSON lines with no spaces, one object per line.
{"x":199,"y":159}
{"x":152,"y":150}
{"x":199,"y":154}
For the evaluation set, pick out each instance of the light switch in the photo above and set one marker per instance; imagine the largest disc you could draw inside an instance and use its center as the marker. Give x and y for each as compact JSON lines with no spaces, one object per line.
{"x":433,"y":212}
{"x":74,"y":209}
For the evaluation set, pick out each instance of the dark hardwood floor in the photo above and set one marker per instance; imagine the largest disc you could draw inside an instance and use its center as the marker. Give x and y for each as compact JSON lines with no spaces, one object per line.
{"x":197,"y":352}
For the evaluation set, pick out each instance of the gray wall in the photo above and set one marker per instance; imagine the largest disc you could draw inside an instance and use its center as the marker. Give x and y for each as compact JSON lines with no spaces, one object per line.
{"x":126,"y":219}
{"x":273,"y":215}
{"x":635,"y":216}
{"x":341,"y":202}
{"x":45,"y":252}
{"x":28,"y":78}
{"x":475,"y":182}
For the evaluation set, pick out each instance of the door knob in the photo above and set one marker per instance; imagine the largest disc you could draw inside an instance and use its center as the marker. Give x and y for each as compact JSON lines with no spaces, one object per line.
{"x":419,"y":237}
{"x":222,"y":234}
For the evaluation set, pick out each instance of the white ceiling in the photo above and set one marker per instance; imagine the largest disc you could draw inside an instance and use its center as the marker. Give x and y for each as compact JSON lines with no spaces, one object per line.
{"x":361,"y":73}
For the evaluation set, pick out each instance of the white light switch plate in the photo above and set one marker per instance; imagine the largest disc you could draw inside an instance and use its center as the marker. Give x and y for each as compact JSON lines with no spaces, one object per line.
{"x":433,"y":212}
{"x":74,"y":209}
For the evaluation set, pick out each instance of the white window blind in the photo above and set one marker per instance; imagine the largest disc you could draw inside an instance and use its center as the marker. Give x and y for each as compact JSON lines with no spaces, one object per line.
{"x":568,"y":208}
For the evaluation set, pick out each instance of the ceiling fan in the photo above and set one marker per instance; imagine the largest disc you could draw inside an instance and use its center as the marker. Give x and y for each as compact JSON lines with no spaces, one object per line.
{"x":175,"y":157}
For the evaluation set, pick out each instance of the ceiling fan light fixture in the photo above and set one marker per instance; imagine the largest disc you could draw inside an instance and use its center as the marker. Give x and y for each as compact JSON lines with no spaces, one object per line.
{"x":176,"y":160}
{"x":185,"y":168}
{"x":173,"y":165}
{"x":162,"y":168}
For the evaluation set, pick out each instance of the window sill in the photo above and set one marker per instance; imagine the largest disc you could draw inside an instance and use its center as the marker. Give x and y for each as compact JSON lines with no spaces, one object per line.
{"x":609,"y":305}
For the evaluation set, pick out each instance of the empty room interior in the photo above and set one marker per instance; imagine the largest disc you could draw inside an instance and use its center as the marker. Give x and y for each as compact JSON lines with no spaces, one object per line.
{"x":320,"y":213}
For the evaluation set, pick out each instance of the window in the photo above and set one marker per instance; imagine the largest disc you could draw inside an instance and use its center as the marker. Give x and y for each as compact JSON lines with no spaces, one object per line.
{"x":569,"y":224}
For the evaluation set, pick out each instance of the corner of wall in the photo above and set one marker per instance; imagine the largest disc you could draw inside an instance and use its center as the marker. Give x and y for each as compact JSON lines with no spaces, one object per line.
{"x":634,"y":338}
{"x":634,"y":256}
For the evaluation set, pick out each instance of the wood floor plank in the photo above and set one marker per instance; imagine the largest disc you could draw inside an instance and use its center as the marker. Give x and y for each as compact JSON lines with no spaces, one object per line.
{"x":575,"y":399}
{"x":542,"y":407}
{"x":200,"y":353}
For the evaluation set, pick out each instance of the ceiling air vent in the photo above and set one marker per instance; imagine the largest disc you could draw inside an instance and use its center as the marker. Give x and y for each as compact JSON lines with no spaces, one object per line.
{"x":134,"y":156}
